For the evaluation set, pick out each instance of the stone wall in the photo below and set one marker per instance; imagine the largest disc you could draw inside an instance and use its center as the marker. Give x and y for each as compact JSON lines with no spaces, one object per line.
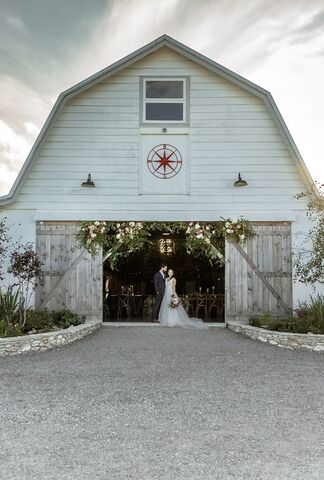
{"x":293,"y":341}
{"x":41,"y":342}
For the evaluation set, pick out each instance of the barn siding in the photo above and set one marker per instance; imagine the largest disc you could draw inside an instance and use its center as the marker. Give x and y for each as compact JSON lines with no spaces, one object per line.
{"x":98,"y":131}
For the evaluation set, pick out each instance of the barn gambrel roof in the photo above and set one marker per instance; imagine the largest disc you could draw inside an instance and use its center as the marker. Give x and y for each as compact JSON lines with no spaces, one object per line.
{"x":163,"y":41}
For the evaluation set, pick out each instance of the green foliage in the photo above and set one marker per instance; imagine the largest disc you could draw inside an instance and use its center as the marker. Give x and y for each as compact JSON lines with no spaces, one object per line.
{"x":9,"y":304}
{"x":39,"y":320}
{"x":310,"y":319}
{"x":121,"y":239}
{"x":65,"y":318}
{"x":9,"y":330}
{"x":309,"y":263}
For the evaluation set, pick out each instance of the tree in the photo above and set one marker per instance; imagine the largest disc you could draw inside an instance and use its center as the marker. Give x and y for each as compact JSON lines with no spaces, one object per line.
{"x":26,"y":267}
{"x":309,"y":262}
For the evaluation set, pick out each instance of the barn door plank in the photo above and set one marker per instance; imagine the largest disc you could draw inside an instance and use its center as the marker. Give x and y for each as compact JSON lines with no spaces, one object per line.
{"x":258,"y":275}
{"x":72,"y":277}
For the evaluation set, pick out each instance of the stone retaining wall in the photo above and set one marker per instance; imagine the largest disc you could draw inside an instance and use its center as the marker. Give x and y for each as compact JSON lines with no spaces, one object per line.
{"x":40,"y":342}
{"x":306,"y":341}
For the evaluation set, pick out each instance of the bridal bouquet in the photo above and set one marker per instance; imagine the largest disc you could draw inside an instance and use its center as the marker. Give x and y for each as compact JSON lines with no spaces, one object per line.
{"x":175,"y":302}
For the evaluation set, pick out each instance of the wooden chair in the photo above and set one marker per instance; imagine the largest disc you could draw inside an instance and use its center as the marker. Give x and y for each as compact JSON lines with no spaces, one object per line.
{"x":124,"y":305}
{"x":148,"y":306}
{"x":216,"y":303}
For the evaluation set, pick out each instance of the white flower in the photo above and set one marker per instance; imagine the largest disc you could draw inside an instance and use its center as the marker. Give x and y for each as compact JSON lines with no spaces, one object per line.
{"x":118,"y":225}
{"x":197,"y":226}
{"x":199,"y":235}
{"x":91,"y":227}
{"x":188,"y":230}
{"x":207,"y":240}
{"x":97,"y":223}
{"x":207,"y":227}
{"x":227,"y":224}
{"x":102,"y":230}
{"x":242,"y":237}
{"x":93,"y":235}
{"x":228,"y":230}
{"x":239,"y":226}
{"x":132,"y":224}
{"x":118,"y":235}
{"x":231,"y":231}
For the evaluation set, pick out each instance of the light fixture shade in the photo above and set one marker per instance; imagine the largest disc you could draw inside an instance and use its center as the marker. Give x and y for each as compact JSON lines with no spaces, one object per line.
{"x":89,"y":183}
{"x":240,"y":182}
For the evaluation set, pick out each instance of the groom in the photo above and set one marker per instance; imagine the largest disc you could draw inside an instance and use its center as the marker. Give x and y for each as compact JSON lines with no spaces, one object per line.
{"x":159,"y":287}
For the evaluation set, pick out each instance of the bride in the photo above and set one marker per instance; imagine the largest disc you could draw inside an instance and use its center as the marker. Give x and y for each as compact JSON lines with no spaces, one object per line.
{"x":175,"y":316}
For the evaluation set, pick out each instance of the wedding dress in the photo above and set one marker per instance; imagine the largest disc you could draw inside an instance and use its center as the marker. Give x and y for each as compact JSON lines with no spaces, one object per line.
{"x":176,"y":317}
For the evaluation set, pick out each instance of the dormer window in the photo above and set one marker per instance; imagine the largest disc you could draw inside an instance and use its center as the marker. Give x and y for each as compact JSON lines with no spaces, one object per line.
{"x":164,"y":100}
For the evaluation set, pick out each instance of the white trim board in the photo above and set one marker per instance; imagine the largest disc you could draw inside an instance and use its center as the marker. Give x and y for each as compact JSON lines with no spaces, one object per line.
{"x":152,"y":216}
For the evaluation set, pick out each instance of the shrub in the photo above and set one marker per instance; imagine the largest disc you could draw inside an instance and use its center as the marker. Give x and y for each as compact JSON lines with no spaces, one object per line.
{"x":310,"y":319}
{"x":65,"y":318}
{"x":9,"y":304}
{"x":9,"y":330}
{"x":39,"y":320}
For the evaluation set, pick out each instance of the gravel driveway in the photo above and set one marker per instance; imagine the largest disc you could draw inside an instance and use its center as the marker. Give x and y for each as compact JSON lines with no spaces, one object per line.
{"x":159,"y":403}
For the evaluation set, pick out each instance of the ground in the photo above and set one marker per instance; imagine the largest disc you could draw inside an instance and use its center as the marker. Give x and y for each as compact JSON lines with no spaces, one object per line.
{"x":160,"y":403}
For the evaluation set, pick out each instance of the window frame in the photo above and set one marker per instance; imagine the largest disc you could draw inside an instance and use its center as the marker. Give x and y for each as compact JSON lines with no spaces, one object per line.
{"x":183,"y":100}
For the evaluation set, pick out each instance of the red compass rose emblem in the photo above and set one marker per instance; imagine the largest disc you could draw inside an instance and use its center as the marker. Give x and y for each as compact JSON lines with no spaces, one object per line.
{"x":164,"y":161}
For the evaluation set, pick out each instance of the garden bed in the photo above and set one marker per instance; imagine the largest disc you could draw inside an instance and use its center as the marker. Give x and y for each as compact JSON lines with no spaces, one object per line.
{"x":293,"y":341}
{"x":40,"y":342}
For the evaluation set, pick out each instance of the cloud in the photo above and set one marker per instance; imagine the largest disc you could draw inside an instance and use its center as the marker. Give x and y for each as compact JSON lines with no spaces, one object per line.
{"x":278,"y":47}
{"x":13,"y":150}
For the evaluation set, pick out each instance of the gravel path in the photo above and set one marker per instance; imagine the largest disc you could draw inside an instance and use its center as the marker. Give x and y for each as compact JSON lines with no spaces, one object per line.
{"x":159,"y":403}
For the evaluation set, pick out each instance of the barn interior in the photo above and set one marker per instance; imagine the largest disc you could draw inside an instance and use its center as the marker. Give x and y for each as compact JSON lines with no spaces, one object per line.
{"x":129,"y":292}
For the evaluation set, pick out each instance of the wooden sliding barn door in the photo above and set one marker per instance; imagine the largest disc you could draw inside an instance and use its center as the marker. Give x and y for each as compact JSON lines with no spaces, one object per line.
{"x":72,"y":278}
{"x":258,"y":276}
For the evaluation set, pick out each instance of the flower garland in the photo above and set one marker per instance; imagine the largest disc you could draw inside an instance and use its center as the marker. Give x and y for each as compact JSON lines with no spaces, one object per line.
{"x":120,"y":239}
{"x":203,"y":239}
{"x":237,"y":230}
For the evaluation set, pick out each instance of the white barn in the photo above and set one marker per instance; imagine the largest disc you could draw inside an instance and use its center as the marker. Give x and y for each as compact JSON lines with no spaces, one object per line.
{"x":221,"y":125}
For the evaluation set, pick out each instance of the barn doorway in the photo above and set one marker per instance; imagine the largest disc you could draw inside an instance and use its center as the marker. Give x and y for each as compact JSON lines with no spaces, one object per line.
{"x":129,"y":292}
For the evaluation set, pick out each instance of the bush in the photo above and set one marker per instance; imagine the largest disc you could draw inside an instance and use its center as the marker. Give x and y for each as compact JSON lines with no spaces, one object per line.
{"x":65,"y":318}
{"x":9,"y":305}
{"x":9,"y":330}
{"x":310,"y":319}
{"x":39,"y":320}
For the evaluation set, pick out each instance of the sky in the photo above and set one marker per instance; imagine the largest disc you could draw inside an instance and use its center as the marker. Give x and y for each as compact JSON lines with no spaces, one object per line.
{"x":47,"y":46}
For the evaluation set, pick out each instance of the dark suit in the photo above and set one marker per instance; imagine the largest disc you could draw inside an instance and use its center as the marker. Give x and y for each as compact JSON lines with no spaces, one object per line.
{"x":159,"y":287}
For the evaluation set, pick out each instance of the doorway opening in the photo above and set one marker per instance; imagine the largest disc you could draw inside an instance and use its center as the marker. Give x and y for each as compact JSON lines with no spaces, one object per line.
{"x":129,"y":292}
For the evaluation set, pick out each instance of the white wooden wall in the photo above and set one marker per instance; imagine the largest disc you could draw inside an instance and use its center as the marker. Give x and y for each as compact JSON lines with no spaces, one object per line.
{"x":98,"y":131}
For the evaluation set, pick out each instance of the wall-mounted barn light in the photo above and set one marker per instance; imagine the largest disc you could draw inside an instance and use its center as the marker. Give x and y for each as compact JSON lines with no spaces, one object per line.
{"x":240,"y":182}
{"x":88,"y":183}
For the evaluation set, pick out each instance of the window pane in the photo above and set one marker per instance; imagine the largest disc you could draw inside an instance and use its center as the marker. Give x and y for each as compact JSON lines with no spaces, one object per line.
{"x":164,"y":111}
{"x":164,"y":89}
